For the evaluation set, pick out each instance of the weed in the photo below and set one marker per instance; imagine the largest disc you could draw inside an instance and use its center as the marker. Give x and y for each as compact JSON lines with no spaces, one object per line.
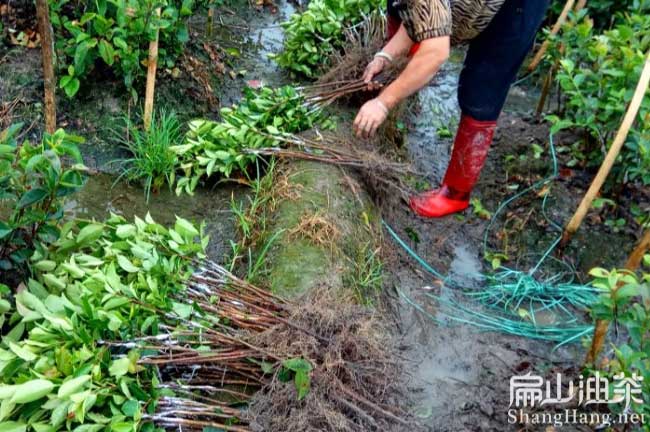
{"x":479,"y":210}
{"x":153,"y":162}
{"x":317,"y":229}
{"x":367,"y":277}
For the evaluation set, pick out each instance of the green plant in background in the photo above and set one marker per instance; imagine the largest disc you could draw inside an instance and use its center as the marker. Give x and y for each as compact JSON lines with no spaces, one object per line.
{"x":34,"y":182}
{"x":602,"y":11}
{"x":626,"y":301}
{"x":597,"y":76}
{"x":258,"y":121}
{"x":114,"y":34}
{"x":311,"y":37}
{"x":152,"y":162}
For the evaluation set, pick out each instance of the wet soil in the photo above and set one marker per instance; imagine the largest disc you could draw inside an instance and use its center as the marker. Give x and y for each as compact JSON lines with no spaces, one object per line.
{"x":464,"y":373}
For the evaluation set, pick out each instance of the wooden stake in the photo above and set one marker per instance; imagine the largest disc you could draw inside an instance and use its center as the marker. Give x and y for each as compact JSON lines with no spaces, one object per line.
{"x":152,"y":64}
{"x":600,"y":331}
{"x":634,"y":261}
{"x":546,"y":89}
{"x":580,"y":5}
{"x":612,"y":154}
{"x":47,"y":49}
{"x":210,"y":22}
{"x":555,"y":30}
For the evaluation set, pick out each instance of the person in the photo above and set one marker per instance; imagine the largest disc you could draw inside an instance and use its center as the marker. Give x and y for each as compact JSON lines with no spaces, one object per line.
{"x":500,"y":33}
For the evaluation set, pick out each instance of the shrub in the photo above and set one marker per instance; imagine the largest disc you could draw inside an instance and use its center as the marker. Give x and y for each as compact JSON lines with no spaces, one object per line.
{"x":597,"y":76}
{"x":34,"y":182}
{"x":115,"y":35}
{"x":152,"y":162}
{"x":313,"y":36}
{"x":626,"y":300}
{"x":602,"y":11}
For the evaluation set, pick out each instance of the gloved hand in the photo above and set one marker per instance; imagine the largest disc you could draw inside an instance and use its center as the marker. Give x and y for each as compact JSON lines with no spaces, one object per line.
{"x":371,"y":115}
{"x":372,"y":70}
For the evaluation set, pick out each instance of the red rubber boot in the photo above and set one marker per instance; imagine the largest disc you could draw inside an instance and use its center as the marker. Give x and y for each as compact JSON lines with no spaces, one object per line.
{"x":471,"y":147}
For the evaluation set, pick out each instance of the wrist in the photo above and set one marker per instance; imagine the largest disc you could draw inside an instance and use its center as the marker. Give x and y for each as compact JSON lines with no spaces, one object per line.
{"x":382,"y":106}
{"x":387,"y":100}
{"x":384,"y":56}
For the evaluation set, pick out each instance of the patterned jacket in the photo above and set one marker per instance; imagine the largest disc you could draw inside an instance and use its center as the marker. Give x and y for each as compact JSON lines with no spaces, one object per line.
{"x":463,"y":20}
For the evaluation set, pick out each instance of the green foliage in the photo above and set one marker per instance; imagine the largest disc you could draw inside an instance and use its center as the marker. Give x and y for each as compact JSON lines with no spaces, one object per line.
{"x":33,"y":185}
{"x":111,"y":281}
{"x":312,"y":36}
{"x":597,"y":75}
{"x":115,"y":34}
{"x":602,"y":11}
{"x":298,"y":369}
{"x":152,"y":162}
{"x":257,"y":122}
{"x":626,"y":301}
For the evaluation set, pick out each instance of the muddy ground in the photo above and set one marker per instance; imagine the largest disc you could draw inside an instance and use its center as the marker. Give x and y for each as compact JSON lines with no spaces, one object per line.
{"x":460,"y":376}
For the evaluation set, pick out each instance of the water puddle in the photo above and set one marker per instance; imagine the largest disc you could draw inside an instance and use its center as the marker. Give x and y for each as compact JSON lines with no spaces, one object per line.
{"x":250,"y":36}
{"x":100,"y":197}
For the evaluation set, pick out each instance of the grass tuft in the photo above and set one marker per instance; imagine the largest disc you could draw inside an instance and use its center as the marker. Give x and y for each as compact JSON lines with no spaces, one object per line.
{"x":152,"y":162}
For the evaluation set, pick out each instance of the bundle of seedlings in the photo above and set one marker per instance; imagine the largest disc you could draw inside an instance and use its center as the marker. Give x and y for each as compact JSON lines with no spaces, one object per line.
{"x":125,"y":327}
{"x":354,"y":382}
{"x":344,"y":78}
{"x":216,"y":147}
{"x":337,"y":148}
{"x":313,"y":36}
{"x":268,"y":123}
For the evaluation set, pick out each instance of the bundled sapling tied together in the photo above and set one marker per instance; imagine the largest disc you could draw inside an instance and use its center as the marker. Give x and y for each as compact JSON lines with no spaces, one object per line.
{"x":313,"y":37}
{"x":267,"y":123}
{"x":122,"y":329}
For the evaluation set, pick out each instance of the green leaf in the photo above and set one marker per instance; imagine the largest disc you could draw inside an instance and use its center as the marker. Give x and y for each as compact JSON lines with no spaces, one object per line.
{"x":185,"y":228}
{"x":119,"y":367}
{"x":31,"y":391}
{"x":90,"y":233}
{"x":13,"y":426}
{"x":31,"y":197}
{"x":303,"y":384}
{"x":5,"y":230}
{"x":126,"y":265}
{"x":70,"y":85}
{"x":21,"y":352}
{"x":106,"y":52}
{"x":297,"y":365}
{"x":72,"y":386}
{"x":126,"y":231}
{"x":130,"y":408}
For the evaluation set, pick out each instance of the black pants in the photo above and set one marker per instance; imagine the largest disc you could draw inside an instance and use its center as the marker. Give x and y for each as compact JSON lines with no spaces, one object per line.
{"x":495,"y":56}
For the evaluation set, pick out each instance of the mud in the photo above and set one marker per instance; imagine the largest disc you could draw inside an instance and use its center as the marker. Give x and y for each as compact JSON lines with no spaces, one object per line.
{"x":464,"y":373}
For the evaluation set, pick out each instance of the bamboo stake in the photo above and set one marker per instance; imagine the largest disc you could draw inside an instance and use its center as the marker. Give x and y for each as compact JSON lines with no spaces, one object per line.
{"x":152,"y":64}
{"x":210,"y":21}
{"x":546,"y":89}
{"x":612,"y":154}
{"x":600,"y":331}
{"x":47,"y":48}
{"x":580,"y":5}
{"x":634,"y":261}
{"x":555,"y":30}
